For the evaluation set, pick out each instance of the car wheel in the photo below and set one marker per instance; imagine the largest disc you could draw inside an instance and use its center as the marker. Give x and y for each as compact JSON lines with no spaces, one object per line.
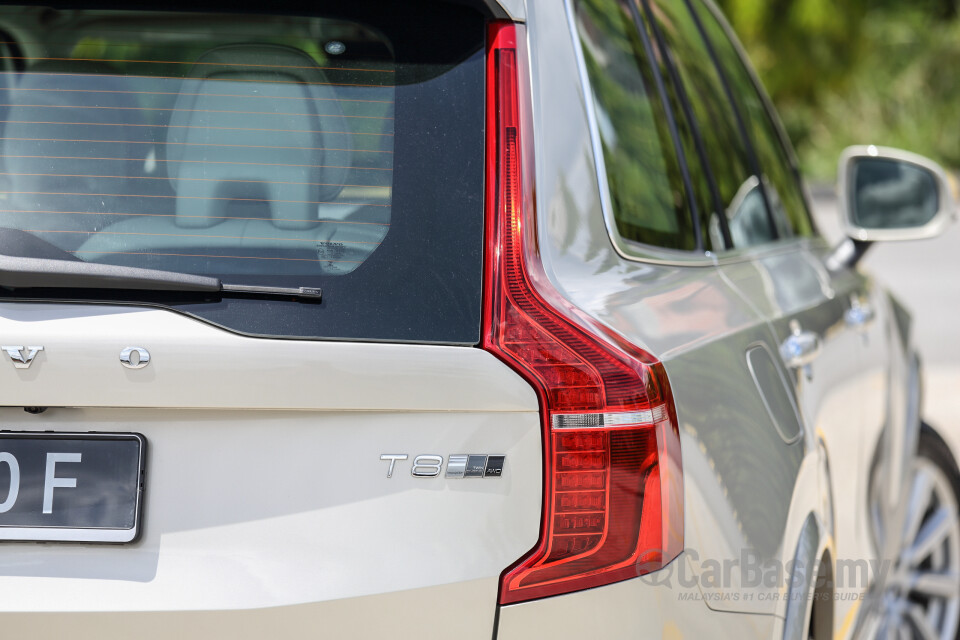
{"x":919,"y":597}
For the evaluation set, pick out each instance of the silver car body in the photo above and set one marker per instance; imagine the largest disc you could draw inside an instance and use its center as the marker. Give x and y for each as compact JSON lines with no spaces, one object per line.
{"x":269,"y":510}
{"x":864,"y":384}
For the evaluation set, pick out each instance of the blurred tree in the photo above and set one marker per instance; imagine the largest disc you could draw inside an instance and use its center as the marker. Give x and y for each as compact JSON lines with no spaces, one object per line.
{"x":946,"y":9}
{"x":802,"y":49}
{"x":857,"y":71}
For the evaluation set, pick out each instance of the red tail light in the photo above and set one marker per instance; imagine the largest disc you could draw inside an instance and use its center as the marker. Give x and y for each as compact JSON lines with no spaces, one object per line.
{"x":613,"y":487}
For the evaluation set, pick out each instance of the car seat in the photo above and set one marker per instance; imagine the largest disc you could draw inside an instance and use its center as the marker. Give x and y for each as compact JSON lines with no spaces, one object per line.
{"x":227,"y":144}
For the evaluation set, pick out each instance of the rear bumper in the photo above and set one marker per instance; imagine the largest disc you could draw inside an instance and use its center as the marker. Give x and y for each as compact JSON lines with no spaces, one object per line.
{"x":464,"y":610}
{"x":652,"y":606}
{"x":284,"y":524}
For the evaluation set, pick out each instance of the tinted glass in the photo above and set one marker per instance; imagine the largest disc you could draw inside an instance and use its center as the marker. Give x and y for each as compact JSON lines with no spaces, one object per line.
{"x":337,"y":151}
{"x":224,"y":153}
{"x":715,"y":117}
{"x":643,"y":172}
{"x":780,"y":179}
{"x":687,"y":137}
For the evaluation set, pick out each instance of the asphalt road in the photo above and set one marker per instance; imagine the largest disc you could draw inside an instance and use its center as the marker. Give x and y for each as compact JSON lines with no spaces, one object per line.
{"x":925,"y":276}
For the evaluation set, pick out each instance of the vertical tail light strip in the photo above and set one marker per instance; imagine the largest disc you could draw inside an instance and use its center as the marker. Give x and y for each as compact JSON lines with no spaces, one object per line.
{"x":613,"y":485}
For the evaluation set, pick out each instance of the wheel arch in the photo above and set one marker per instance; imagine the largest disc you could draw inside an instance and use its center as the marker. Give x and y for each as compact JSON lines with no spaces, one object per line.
{"x":811,"y":588}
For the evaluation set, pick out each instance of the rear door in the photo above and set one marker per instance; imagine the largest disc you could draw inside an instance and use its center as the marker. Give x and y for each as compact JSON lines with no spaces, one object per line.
{"x":747,"y":469}
{"x":819,"y":310}
{"x":858,"y":381}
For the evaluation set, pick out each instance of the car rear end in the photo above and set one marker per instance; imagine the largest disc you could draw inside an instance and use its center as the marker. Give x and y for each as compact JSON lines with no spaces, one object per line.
{"x":430,"y":438}
{"x":180,"y":463}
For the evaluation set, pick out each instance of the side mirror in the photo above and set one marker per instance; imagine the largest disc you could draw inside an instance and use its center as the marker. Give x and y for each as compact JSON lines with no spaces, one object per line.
{"x":887,"y":194}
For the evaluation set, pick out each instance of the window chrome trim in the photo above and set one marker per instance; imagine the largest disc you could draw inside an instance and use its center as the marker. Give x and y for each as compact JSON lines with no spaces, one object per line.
{"x":625,"y":248}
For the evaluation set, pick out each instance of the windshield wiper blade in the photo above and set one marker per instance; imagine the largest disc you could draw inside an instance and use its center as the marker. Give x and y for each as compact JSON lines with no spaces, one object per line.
{"x":307,"y":293}
{"x":54,"y":273}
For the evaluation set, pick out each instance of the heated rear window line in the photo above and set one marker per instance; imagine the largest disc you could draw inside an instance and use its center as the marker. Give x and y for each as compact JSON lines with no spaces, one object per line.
{"x":193,"y":126}
{"x":145,"y":195}
{"x":231,"y":80}
{"x":150,"y":32}
{"x":192,"y":235}
{"x":177,"y":48}
{"x":197,"y":144}
{"x":215,"y":64}
{"x":182,"y":179}
{"x":260,"y":164}
{"x":79,"y":43}
{"x":176,"y":215}
{"x":184,"y":93}
{"x":253,"y":113}
{"x":203,"y":255}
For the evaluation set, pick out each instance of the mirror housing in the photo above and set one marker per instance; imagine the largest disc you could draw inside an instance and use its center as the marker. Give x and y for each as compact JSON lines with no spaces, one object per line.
{"x":890,"y":195}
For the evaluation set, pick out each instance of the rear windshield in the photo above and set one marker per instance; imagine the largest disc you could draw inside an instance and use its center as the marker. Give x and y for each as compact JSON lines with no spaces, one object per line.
{"x":342,"y":151}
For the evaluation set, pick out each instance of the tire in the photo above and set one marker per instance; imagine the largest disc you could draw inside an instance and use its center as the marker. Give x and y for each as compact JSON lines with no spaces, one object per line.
{"x":921,"y":597}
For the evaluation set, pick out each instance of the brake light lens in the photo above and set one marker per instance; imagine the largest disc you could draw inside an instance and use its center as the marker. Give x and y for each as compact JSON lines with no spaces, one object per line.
{"x":613,"y":485}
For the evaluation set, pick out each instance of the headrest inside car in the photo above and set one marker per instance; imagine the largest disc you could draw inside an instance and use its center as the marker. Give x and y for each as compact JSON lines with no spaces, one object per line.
{"x":256,"y":123}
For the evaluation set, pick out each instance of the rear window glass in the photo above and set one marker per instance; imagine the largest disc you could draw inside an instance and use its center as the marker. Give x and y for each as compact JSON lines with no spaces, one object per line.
{"x":339,"y":151}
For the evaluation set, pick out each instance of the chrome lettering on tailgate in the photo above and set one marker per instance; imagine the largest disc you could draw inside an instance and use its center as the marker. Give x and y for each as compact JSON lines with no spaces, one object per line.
{"x":22,"y":358}
{"x":459,"y":465}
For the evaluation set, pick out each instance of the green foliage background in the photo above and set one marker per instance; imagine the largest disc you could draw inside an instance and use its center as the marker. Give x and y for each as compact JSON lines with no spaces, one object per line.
{"x":845,"y":72}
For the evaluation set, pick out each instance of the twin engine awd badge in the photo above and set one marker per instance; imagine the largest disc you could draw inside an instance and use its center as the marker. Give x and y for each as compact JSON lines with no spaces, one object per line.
{"x":459,"y":465}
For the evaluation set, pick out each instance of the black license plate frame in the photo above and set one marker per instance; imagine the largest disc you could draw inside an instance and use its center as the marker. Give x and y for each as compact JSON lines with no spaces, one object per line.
{"x":65,"y":501}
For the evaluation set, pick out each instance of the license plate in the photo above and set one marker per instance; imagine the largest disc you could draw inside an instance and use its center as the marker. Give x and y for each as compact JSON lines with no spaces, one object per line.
{"x":71,"y":487}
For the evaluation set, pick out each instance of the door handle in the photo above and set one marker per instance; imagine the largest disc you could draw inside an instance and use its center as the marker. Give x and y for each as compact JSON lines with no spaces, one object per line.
{"x":801,"y":347}
{"x":859,"y":316}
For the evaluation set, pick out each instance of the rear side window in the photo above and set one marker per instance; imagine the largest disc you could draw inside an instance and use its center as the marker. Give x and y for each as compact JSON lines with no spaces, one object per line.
{"x":716,"y":119}
{"x":341,"y":151}
{"x":646,"y":185}
{"x":779,"y":176}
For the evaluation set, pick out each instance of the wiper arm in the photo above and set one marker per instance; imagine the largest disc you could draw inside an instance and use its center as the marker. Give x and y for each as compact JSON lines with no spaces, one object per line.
{"x":55,"y":273}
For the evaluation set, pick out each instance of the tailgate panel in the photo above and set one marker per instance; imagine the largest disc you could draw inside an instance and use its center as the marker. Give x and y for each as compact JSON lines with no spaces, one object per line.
{"x":258,"y":507}
{"x":194,"y":364}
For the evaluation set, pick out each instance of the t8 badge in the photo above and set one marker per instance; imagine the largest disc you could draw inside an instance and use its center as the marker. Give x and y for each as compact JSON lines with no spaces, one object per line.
{"x":459,"y":465}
